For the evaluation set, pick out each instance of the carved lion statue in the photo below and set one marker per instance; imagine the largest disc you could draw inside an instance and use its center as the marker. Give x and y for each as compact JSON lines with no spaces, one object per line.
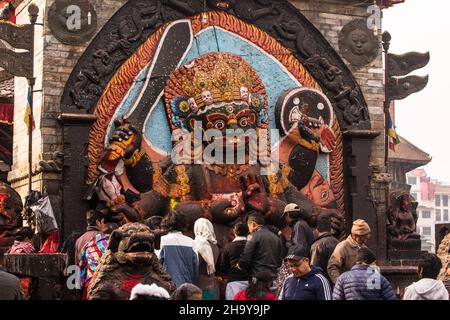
{"x":129,"y":260}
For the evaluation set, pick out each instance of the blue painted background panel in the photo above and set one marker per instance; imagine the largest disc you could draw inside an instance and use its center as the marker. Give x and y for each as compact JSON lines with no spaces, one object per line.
{"x":275,"y":78}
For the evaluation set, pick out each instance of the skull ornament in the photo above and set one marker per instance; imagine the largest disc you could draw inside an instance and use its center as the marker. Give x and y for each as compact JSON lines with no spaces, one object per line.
{"x":193,"y":105}
{"x":207,"y":98}
{"x":244,"y":94}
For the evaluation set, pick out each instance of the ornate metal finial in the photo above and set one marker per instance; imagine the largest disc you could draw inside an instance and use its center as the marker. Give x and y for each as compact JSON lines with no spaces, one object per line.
{"x":386,"y":38}
{"x":33,"y":12}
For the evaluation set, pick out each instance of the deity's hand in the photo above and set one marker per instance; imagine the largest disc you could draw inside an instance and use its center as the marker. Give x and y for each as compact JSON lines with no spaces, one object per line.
{"x":125,"y":142}
{"x":254,"y":195}
{"x":337,"y":223}
{"x":336,"y":219}
{"x":224,"y":211}
{"x":327,"y":137}
{"x":130,"y":213}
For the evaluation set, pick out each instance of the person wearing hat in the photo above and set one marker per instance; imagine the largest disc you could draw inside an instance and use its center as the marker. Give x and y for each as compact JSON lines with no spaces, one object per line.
{"x":344,"y":255}
{"x":306,"y":282}
{"x":364,"y":281}
{"x":302,"y":233}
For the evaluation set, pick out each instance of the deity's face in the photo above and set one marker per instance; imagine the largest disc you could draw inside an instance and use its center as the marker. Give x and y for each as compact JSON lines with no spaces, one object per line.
{"x":319,"y":191}
{"x":405,"y":203}
{"x":207,"y":98}
{"x":228,"y":125}
{"x":244,"y":94}
{"x":359,"y":42}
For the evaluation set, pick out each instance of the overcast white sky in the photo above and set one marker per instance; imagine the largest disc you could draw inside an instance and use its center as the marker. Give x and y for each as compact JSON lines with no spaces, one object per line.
{"x":424,"y":118}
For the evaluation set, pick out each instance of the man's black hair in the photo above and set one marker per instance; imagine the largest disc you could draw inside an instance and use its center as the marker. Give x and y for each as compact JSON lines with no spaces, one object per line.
{"x":256,"y":217}
{"x":185,"y":291}
{"x":154,"y":222}
{"x":240,"y":229}
{"x":324,"y":225}
{"x":259,"y":285}
{"x":175,"y":221}
{"x":365,"y":255}
{"x":24,"y":233}
{"x":92,"y":216}
{"x":430,"y":265}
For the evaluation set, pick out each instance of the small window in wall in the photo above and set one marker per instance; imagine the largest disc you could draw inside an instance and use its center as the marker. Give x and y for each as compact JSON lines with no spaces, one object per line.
{"x":426,"y":231}
{"x":426,"y":214}
{"x":438,"y":215}
{"x":412,"y":180}
{"x":437,"y":200}
{"x":445,"y":200}
{"x":445,"y":215}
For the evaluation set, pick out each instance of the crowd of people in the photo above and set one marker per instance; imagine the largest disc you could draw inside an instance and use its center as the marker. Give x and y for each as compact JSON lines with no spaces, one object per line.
{"x":260,"y":263}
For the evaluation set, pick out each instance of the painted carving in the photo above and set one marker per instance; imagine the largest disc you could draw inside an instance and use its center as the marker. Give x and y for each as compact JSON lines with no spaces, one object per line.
{"x":357,"y":43}
{"x":402,"y":221}
{"x":10,"y":215}
{"x":130,"y":260}
{"x":134,"y":177}
{"x":228,"y":94}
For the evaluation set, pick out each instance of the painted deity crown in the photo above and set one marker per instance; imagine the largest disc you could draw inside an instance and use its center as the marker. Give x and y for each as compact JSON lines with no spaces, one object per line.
{"x":213,"y":80}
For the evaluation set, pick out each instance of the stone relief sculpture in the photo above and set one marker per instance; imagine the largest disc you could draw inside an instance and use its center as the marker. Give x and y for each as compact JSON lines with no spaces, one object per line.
{"x":357,"y":43}
{"x":402,"y":222}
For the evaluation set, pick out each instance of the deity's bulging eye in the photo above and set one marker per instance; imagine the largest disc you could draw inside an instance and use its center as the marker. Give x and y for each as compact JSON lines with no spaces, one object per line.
{"x":324,"y":195}
{"x":207,"y":98}
{"x":243,"y":122}
{"x":219,"y":124}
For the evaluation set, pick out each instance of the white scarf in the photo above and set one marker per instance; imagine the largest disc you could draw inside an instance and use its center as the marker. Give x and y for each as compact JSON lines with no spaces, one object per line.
{"x":204,"y":234}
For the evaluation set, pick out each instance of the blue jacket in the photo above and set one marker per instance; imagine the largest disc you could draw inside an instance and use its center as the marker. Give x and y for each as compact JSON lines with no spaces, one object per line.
{"x":312,"y":286}
{"x":179,"y":258}
{"x":363,"y":283}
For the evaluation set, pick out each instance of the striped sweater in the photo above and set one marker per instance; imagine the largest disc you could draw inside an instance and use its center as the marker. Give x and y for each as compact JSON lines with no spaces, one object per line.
{"x":90,"y":257}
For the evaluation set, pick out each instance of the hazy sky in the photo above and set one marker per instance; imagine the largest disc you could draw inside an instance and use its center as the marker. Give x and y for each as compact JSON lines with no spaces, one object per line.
{"x":424,"y":118}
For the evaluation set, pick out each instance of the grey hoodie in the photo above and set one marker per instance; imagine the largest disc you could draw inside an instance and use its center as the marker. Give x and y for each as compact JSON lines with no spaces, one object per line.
{"x":426,"y":289}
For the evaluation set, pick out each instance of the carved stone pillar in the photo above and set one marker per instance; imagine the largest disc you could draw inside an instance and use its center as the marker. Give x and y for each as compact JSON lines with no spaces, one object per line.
{"x":76,"y":136}
{"x":360,"y":200}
